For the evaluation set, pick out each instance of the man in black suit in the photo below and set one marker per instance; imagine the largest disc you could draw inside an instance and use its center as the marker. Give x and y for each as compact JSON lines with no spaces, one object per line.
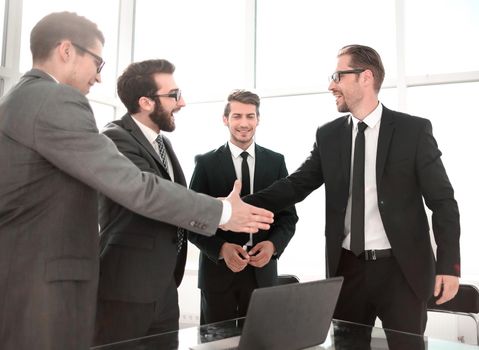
{"x":142,"y":260}
{"x":230,"y":267}
{"x":389,"y":269}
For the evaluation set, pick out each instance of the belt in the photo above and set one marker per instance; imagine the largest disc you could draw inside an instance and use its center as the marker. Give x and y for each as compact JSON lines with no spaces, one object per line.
{"x":373,"y":254}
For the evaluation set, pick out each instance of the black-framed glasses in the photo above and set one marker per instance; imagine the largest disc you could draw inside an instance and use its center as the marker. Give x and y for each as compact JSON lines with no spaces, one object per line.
{"x":176,"y":94}
{"x":98,"y":60}
{"x":336,"y":76}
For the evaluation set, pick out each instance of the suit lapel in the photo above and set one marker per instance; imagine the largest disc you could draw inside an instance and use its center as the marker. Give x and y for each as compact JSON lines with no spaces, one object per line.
{"x":135,"y":131}
{"x":226,"y":163}
{"x":385,"y":135}
{"x":259,"y":169}
{"x":345,"y":139}
{"x":179,"y":176}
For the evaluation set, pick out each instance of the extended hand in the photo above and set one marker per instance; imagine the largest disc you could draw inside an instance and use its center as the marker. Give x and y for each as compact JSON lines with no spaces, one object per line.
{"x":449,"y":286}
{"x":235,"y":256}
{"x":261,"y":253}
{"x":244,"y":217}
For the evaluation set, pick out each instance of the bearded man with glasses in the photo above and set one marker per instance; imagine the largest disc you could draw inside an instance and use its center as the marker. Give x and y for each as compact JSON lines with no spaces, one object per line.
{"x":142,"y":261}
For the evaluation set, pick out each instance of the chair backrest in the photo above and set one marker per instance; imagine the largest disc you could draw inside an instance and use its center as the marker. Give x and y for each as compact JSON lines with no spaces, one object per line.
{"x":286,"y":279}
{"x":465,"y":301}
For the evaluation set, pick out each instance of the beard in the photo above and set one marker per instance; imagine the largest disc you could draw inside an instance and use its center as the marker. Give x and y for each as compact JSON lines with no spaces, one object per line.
{"x":343,"y":108}
{"x":162,"y":118}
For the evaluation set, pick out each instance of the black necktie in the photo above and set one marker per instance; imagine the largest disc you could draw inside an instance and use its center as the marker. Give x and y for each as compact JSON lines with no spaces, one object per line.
{"x":357,"y":203}
{"x":245,"y":181}
{"x":245,"y":186}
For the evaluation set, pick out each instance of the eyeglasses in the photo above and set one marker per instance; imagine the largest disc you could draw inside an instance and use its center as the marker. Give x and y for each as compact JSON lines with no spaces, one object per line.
{"x":336,"y":76}
{"x":98,"y":60}
{"x":176,"y":94}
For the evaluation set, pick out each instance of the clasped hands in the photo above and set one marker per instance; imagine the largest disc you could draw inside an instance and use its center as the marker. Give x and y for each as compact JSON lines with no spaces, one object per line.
{"x":237,"y":258}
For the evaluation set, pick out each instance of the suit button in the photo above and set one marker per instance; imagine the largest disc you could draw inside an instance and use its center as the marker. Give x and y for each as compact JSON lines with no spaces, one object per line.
{"x":192,"y":223}
{"x":203,"y":226}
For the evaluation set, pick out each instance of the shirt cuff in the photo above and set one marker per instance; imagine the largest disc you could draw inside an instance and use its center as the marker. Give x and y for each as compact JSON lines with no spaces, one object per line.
{"x":227,"y":211}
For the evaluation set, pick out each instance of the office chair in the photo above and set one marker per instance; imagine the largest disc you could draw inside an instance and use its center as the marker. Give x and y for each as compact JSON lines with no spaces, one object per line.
{"x":465,"y":303}
{"x":286,"y":279}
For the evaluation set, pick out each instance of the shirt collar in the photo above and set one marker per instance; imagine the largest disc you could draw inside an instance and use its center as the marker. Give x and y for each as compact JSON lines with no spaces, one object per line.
{"x":372,"y":119}
{"x":236,"y":151}
{"x":51,"y":76}
{"x":150,"y":134}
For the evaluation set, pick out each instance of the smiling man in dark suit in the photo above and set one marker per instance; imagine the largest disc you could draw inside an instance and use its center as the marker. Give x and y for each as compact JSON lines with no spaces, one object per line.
{"x":230,"y":268}
{"x":377,"y":231}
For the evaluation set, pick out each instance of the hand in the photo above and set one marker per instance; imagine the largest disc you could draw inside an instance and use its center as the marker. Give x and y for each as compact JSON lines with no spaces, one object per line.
{"x":261,"y":253}
{"x":449,"y":285}
{"x":244,"y":217}
{"x":235,"y":256}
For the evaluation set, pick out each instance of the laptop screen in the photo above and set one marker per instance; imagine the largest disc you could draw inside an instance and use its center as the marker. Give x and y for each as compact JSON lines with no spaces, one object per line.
{"x":291,"y":316}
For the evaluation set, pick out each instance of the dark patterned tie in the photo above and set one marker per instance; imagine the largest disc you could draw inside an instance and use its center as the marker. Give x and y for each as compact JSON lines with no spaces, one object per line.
{"x":357,"y":203}
{"x":181,"y":237}
{"x":162,"y":152}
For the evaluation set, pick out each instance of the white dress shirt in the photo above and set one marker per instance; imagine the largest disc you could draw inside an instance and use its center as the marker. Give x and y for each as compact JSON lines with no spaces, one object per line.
{"x":374,"y":233}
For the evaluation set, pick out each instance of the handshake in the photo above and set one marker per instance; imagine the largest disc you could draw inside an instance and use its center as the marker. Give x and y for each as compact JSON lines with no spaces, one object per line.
{"x":245,"y":218}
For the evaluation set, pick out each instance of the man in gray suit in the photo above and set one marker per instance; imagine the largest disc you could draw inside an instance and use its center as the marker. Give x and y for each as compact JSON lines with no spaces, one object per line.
{"x":53,"y":163}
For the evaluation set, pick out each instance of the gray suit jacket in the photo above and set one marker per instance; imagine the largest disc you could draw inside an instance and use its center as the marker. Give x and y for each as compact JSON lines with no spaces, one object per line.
{"x":53,"y":163}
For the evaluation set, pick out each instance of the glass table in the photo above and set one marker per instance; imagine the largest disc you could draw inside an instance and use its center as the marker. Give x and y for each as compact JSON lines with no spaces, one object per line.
{"x":342,"y":335}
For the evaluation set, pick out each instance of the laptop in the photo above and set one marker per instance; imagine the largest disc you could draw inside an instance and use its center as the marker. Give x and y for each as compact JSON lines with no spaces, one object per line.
{"x":290,"y":316}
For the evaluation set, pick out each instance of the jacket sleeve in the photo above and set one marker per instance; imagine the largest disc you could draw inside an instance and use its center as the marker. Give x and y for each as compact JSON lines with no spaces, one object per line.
{"x":66,"y":135}
{"x":285,"y":222}
{"x":439,"y":197}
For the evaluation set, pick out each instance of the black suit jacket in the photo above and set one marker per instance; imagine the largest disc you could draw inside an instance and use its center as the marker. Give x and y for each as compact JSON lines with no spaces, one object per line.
{"x":214,"y":174}
{"x":138,"y":255}
{"x":408,"y":170}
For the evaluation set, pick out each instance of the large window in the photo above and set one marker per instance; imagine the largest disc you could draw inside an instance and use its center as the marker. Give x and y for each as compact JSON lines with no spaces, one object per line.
{"x":441,"y":36}
{"x":297,"y":41}
{"x":207,"y":41}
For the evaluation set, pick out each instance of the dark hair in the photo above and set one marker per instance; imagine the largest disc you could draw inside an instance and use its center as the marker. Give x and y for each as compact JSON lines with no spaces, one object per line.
{"x":242,"y":96}
{"x":58,"y":26}
{"x":138,"y":80}
{"x":365,"y":57}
